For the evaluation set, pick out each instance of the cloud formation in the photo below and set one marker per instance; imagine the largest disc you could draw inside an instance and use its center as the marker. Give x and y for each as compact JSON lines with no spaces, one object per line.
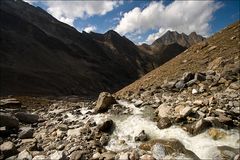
{"x":90,"y":29}
{"x":68,"y":12}
{"x":181,"y":16}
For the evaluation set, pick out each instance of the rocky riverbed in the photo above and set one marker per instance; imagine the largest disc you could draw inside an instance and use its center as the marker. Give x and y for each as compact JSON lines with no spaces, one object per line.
{"x":195,"y":117}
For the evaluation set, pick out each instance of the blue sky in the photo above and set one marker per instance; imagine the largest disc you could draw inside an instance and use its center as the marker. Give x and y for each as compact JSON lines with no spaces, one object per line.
{"x":144,"y":21}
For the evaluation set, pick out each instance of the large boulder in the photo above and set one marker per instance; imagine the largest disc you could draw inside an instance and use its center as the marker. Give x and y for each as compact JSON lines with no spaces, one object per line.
{"x":164,"y":123}
{"x":27,"y":117}
{"x":8,"y":120}
{"x":162,"y":147}
{"x":158,"y":151}
{"x":226,"y":152}
{"x":26,"y":132}
{"x":106,"y":125}
{"x":201,"y":126}
{"x":164,"y":110}
{"x":25,"y":155}
{"x":76,"y":155}
{"x":8,"y":149}
{"x":105,"y":100}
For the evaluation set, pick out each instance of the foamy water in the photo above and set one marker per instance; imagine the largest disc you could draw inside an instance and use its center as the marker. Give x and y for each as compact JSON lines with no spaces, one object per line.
{"x":202,"y":145}
{"x":129,"y":126}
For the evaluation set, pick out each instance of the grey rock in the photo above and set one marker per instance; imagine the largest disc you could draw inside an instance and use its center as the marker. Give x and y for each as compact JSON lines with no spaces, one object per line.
{"x":237,"y":157}
{"x":147,"y":157}
{"x":168,"y":85}
{"x":234,"y":85}
{"x":190,"y":83}
{"x":27,"y":117}
{"x":108,"y":155}
{"x":236,"y":110}
{"x":210,"y":72}
{"x":76,"y":155}
{"x":194,"y":91}
{"x":10,"y":103}
{"x":227,"y":152}
{"x":187,"y":76}
{"x":158,"y":151}
{"x":214,"y":122}
{"x":60,"y":147}
{"x":105,"y":100}
{"x":164,"y":123}
{"x":96,"y":156}
{"x":201,"y":126}
{"x":180,"y":84}
{"x":8,"y":149}
{"x":104,"y":140}
{"x":106,"y":126}
{"x":225,"y":120}
{"x":27,"y":132}
{"x":202,"y":88}
{"x":124,"y":156}
{"x":134,"y":155}
{"x":8,"y":120}
{"x":58,"y":155}
{"x":25,"y":155}
{"x":164,"y":110}
{"x":185,"y":111}
{"x":63,"y":127}
{"x":12,"y":158}
{"x":40,"y":157}
{"x":200,"y":76}
{"x":138,"y":103}
{"x":141,"y":137}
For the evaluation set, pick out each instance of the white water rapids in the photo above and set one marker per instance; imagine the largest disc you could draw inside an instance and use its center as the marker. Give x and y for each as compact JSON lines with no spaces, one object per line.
{"x":129,"y":126}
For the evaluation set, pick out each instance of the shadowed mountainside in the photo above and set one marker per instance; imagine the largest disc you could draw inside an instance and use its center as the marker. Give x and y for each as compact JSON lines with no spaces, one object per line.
{"x":42,"y":56}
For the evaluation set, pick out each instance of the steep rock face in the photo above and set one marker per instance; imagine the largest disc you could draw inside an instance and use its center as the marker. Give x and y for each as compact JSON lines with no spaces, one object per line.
{"x":169,"y":46}
{"x":162,"y":53}
{"x":42,"y":56}
{"x":182,"y":39}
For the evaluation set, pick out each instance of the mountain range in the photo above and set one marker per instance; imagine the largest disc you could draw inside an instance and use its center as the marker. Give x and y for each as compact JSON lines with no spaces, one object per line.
{"x":220,"y":53}
{"x":40,"y":55}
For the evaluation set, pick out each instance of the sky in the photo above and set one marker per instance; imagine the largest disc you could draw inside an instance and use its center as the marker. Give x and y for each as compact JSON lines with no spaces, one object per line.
{"x":144,"y":21}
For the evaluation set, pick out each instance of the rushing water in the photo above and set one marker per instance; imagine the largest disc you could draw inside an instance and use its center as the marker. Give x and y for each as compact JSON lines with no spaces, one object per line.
{"x":129,"y":127}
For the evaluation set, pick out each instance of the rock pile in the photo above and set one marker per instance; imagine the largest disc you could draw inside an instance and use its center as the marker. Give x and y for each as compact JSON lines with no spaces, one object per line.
{"x":65,"y":130}
{"x":82,"y":130}
{"x":197,"y":101}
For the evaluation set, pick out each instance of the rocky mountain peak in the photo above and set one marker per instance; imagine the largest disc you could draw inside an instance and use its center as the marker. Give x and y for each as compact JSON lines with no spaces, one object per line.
{"x":112,"y":33}
{"x":182,"y":39}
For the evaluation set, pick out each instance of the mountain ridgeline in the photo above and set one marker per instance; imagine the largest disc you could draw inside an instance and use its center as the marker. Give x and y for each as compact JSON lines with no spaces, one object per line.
{"x":42,"y":56}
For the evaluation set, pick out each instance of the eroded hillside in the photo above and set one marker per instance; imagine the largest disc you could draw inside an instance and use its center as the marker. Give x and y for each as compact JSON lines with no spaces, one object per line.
{"x":218,"y":50}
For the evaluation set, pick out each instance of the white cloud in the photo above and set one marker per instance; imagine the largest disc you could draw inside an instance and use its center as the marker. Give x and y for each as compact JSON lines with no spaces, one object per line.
{"x":68,"y":11}
{"x":90,"y":28}
{"x":181,"y":16}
